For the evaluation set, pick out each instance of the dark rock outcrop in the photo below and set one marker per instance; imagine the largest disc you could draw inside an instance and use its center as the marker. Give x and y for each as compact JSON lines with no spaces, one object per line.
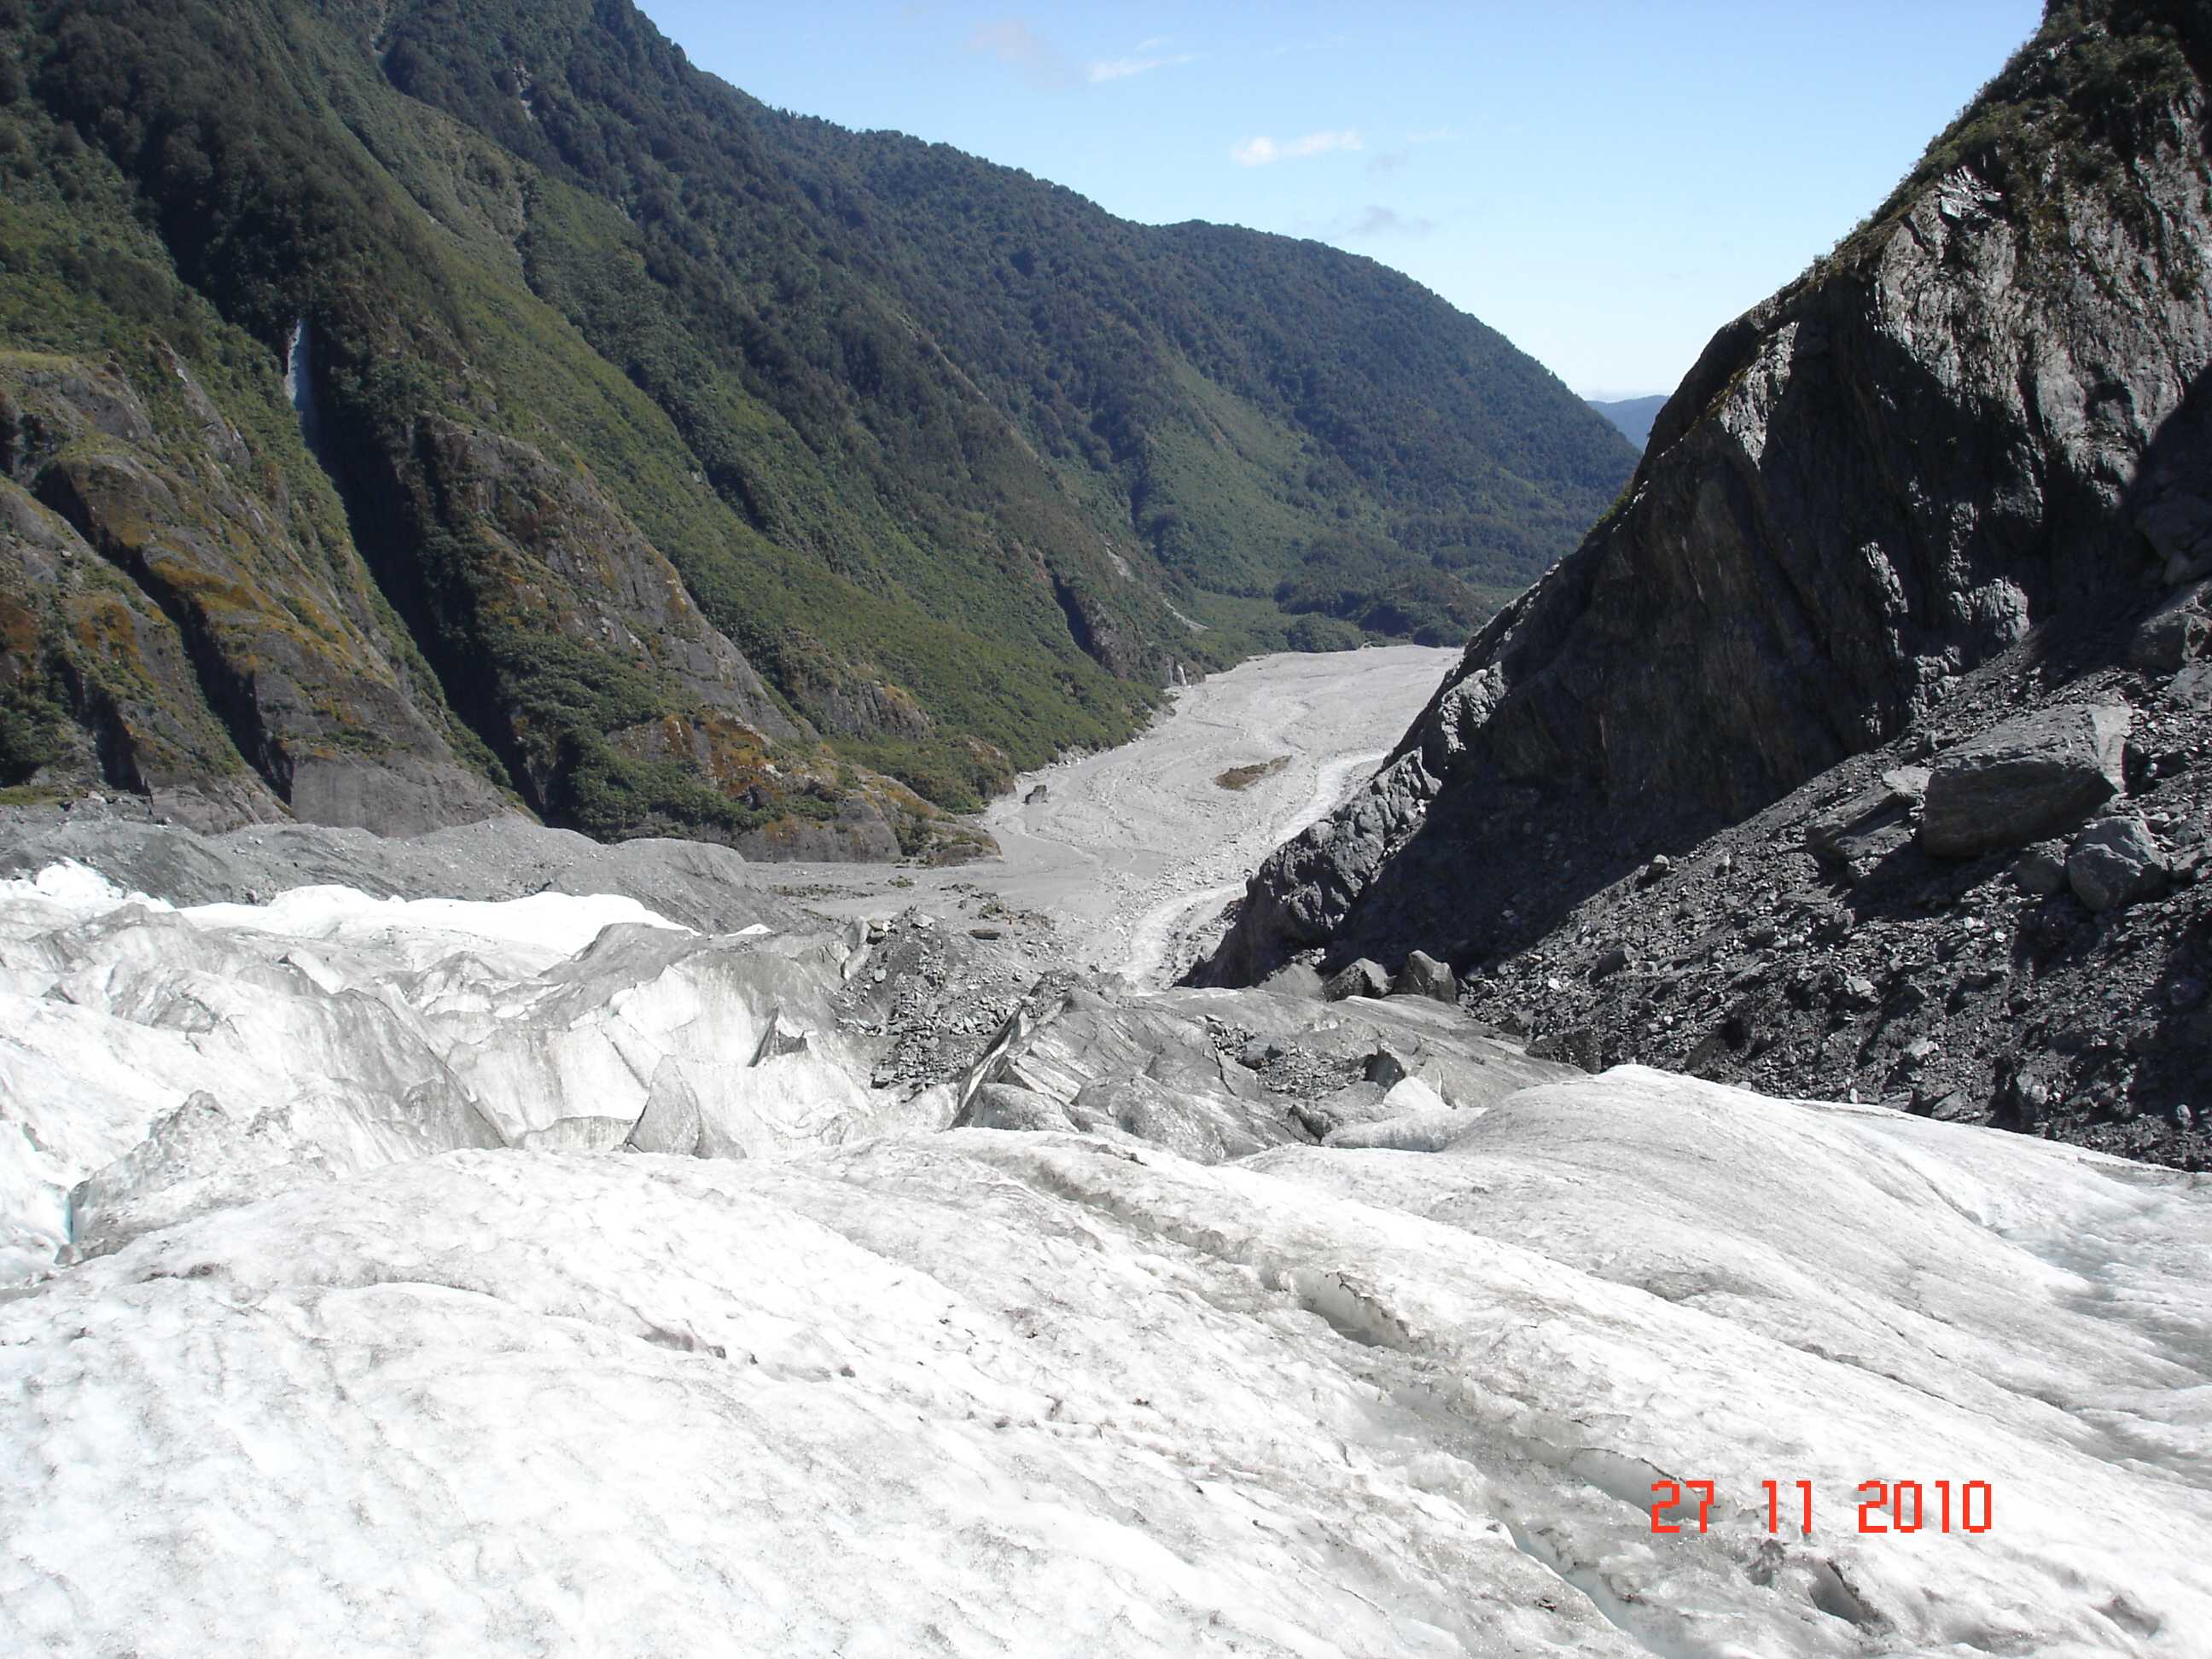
{"x":1363,"y":978}
{"x":1919,"y":981}
{"x":1423,"y":975}
{"x":1988,"y":410}
{"x":1869,"y":825}
{"x":2176,"y":633}
{"x":174,"y":627}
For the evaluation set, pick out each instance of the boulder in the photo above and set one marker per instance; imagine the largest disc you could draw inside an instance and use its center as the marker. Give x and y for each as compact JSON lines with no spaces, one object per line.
{"x":1906,"y":783}
{"x":1868,"y":826}
{"x":2034,"y":775}
{"x":1384,"y":1068}
{"x":2114,"y":862}
{"x":1356,"y":1103}
{"x":1423,"y":975}
{"x":1295,"y":979}
{"x":2179,"y":526}
{"x":2041,"y":871}
{"x":1257,"y":1052}
{"x":1580,"y":1046}
{"x":1363,"y":978}
{"x":1003,"y":1106}
{"x":2175,"y":633}
{"x":2192,"y":687}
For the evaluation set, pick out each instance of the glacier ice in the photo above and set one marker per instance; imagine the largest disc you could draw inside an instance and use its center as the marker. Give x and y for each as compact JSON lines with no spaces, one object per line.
{"x":157,"y":1061}
{"x":371,"y":1342}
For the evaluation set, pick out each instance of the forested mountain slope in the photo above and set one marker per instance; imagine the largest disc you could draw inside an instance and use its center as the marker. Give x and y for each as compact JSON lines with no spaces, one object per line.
{"x":1633,"y":416}
{"x":663,"y":460}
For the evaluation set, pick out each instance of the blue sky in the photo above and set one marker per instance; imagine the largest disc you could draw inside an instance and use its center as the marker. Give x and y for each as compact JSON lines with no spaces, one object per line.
{"x":1606,"y":182}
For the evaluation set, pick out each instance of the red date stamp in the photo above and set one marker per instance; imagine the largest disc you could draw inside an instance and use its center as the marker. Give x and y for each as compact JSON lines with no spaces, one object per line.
{"x":1883,"y":1506}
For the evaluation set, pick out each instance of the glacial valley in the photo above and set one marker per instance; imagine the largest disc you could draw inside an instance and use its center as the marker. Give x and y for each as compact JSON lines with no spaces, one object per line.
{"x":379,"y":1262}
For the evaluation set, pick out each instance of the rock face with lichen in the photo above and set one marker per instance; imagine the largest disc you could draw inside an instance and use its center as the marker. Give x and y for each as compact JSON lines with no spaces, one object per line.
{"x":1985,"y":413}
{"x":177,"y":623}
{"x":171,"y":630}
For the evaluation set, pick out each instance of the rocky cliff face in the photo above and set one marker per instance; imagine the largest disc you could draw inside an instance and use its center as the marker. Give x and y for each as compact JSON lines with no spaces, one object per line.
{"x":173,"y":630}
{"x":1984,"y":416}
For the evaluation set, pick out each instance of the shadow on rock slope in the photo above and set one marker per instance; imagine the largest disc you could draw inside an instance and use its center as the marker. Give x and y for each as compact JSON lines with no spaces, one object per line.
{"x":1946,"y":476}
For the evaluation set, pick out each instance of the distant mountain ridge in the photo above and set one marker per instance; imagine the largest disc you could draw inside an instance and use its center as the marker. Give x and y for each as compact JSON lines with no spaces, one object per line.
{"x":682,"y":465}
{"x":1633,"y":416}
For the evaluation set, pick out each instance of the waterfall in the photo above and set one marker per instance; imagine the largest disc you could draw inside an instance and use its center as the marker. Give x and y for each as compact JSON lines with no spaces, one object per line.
{"x":300,"y":385}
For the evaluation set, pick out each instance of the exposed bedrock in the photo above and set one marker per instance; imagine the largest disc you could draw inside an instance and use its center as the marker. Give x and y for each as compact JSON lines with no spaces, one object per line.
{"x":1985,"y":413}
{"x":171,"y":628}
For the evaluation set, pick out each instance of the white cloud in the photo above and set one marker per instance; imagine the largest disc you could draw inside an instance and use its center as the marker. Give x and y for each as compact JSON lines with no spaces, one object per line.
{"x":1021,"y":48}
{"x":1120,"y":69}
{"x":1375,"y":221}
{"x":1258,"y":152}
{"x":1390,"y":160}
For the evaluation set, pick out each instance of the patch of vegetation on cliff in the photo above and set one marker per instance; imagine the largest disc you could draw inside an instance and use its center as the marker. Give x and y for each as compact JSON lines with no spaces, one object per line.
{"x":2086,"y":89}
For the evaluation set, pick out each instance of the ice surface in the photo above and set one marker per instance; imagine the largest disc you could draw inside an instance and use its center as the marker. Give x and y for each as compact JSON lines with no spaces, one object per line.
{"x":987,"y":1392}
{"x":163,"y":1061}
{"x":1426,"y":1130}
{"x":2067,"y":1289}
{"x":379,"y":1345}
